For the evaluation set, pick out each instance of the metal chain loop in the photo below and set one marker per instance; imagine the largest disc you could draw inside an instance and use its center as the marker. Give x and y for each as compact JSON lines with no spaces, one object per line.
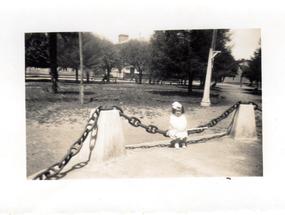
{"x":92,"y":124}
{"x":152,"y":129}
{"x":134,"y":121}
{"x":55,"y":169}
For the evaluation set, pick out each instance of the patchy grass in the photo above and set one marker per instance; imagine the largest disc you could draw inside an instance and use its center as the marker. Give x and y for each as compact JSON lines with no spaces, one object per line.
{"x":42,"y":104}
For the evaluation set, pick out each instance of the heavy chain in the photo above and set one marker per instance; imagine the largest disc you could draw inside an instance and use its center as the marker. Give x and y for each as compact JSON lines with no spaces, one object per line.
{"x":154,"y":129}
{"x":55,"y":169}
{"x":216,"y":120}
{"x":137,"y":123}
{"x":163,"y":145}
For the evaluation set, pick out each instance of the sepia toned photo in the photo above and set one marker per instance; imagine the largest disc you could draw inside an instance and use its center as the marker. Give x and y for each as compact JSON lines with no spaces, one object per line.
{"x":165,"y":103}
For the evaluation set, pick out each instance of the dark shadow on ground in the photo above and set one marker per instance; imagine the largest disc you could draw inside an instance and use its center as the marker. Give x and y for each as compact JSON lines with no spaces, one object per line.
{"x":70,"y":81}
{"x":78,"y":165}
{"x":75,"y":167}
{"x":196,"y":94}
{"x":75,"y":93}
{"x":186,"y":87}
{"x":253,"y":91}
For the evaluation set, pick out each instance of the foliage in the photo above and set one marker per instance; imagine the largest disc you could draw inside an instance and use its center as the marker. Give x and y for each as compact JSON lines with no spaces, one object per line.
{"x":170,"y":51}
{"x":109,"y":57}
{"x":36,"y":50}
{"x":224,"y":64}
{"x":68,"y":53}
{"x":170,"y":54}
{"x":253,"y":70}
{"x":183,"y":54}
{"x":137,"y":54}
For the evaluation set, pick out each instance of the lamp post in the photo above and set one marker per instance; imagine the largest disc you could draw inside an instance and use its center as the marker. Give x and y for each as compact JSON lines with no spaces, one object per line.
{"x":206,"y":94}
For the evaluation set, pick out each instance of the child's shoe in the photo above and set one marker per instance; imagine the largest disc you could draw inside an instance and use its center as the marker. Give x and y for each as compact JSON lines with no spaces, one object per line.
{"x":176,"y":145}
{"x":183,"y":145}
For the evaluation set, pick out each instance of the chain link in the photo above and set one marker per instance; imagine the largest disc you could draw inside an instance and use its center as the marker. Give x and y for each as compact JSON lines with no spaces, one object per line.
{"x":223,"y":116}
{"x":163,"y":145}
{"x":92,"y":124}
{"x":137,"y":123}
{"x":55,"y":169}
{"x":154,"y":129}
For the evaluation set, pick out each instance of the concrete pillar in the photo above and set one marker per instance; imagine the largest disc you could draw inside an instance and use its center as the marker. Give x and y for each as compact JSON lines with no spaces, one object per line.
{"x":110,"y":140}
{"x":244,"y":126}
{"x":206,"y":94}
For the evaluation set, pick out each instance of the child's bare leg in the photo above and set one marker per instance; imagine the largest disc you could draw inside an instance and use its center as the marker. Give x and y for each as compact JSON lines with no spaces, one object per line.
{"x":174,"y":143}
{"x":183,"y":143}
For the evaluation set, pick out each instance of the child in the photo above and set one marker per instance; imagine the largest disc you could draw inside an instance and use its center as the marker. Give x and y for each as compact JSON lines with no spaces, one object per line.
{"x":178,"y":126}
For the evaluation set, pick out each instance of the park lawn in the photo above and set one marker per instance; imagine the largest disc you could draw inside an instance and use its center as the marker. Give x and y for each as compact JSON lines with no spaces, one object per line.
{"x":39,"y":96}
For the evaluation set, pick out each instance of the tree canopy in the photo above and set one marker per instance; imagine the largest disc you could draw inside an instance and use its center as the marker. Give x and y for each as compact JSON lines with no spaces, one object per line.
{"x":137,"y":54}
{"x":183,"y":54}
{"x":170,"y":54}
{"x":253,"y":70}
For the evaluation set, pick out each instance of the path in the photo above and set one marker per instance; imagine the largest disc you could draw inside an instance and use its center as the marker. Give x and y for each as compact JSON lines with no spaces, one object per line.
{"x":233,"y":93}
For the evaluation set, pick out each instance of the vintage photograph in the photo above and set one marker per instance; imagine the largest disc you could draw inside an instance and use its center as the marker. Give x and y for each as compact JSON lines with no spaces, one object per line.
{"x":163,"y":103}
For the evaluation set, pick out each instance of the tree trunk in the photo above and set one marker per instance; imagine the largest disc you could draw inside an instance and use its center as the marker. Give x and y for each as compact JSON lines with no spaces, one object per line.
{"x":190,"y":82}
{"x":76,"y":75}
{"x":150,"y":77}
{"x":140,"y":76}
{"x":81,"y":88}
{"x":108,"y":75}
{"x":202,"y":82}
{"x":53,"y":60}
{"x":87,"y":76}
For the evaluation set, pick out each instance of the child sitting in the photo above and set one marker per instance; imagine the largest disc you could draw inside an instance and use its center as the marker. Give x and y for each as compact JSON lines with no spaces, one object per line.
{"x":178,"y":126}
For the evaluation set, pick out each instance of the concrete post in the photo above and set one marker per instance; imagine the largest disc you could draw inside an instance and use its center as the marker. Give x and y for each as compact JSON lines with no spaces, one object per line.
{"x":206,"y":94}
{"x":244,"y":126}
{"x":110,"y":141}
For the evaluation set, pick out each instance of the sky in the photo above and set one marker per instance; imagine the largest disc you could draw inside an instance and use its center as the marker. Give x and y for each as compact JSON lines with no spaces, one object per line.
{"x":243,"y":41}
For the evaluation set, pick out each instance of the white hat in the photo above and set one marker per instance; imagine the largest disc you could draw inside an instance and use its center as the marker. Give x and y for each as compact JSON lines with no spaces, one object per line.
{"x":176,"y":106}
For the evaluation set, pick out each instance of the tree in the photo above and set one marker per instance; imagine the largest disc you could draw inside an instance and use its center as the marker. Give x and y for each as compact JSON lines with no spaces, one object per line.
{"x":172,"y":55}
{"x":67,"y":54}
{"x":183,"y":54}
{"x":92,"y":53}
{"x":109,"y":57}
{"x":41,"y":52}
{"x":224,"y":64}
{"x":253,"y":70}
{"x":137,"y":54}
{"x":36,"y":50}
{"x":53,"y":60}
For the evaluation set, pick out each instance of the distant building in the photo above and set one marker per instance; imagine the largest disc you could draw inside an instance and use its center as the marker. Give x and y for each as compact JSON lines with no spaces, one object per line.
{"x":128,"y":72}
{"x":123,"y":38}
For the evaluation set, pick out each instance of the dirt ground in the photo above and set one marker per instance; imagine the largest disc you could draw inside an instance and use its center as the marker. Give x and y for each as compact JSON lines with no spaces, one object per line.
{"x":54,"y":122}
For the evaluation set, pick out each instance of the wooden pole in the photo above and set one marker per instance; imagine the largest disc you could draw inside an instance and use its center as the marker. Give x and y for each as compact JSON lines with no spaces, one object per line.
{"x":81,"y":94}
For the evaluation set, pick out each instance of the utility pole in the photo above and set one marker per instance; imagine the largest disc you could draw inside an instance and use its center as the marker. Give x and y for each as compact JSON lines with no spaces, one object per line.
{"x":206,"y":95}
{"x":81,"y":93}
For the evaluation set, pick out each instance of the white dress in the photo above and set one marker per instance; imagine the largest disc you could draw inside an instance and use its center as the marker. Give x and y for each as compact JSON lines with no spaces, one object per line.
{"x":178,"y":126}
